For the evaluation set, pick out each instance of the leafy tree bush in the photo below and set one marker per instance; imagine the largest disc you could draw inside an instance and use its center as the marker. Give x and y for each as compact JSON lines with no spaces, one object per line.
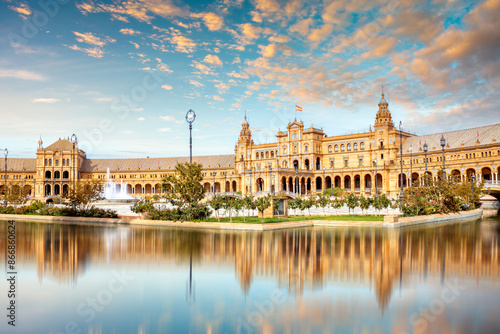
{"x":336,"y":192}
{"x":184,"y":187}
{"x":144,"y":205}
{"x":85,"y":193}
{"x":262,"y":203}
{"x":441,"y":196}
{"x":351,"y":200}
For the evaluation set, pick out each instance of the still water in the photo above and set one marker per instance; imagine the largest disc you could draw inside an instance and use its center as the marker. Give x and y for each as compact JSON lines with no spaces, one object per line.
{"x":100,"y":279}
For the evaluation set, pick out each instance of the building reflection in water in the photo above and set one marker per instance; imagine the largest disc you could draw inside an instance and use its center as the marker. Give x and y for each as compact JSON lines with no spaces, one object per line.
{"x":297,"y":259}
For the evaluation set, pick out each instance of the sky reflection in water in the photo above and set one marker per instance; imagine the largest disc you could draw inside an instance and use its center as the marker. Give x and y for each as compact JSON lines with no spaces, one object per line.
{"x":137,"y":280}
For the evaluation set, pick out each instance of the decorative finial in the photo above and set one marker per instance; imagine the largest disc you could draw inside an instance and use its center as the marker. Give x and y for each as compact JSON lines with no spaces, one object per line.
{"x":245,"y":115}
{"x":382,"y":91}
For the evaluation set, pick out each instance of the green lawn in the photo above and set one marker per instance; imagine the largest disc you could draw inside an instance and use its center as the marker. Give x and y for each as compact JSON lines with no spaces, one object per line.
{"x":256,"y":220}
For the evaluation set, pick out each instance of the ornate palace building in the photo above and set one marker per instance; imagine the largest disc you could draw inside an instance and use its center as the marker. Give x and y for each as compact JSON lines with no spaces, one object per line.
{"x":302,"y":161}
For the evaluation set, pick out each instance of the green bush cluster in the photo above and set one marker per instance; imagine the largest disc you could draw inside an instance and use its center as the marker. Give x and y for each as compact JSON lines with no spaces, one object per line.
{"x":40,"y":208}
{"x":184,"y":213}
{"x":442,"y":196}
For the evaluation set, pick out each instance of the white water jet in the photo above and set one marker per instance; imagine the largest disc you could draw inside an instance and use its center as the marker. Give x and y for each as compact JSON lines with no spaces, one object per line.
{"x":115,"y":191}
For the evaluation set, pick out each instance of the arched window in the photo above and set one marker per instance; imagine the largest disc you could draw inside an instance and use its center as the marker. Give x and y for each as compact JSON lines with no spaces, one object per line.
{"x":349,"y":146}
{"x":342,"y":148}
{"x":355,"y":146}
{"x":336,"y":148}
{"x":257,"y":155}
{"x":362,"y":146}
{"x":262,"y":155}
{"x":272,"y":154}
{"x":284,"y":150}
{"x":329,"y":148}
{"x":306,"y":149}
{"x":267,"y":154}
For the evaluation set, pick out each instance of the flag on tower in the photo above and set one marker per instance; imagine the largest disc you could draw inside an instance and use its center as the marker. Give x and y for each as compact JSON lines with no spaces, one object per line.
{"x":297,"y":108}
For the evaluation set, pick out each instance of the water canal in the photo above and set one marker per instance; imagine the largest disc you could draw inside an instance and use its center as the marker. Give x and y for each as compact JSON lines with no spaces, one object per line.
{"x":100,"y":279}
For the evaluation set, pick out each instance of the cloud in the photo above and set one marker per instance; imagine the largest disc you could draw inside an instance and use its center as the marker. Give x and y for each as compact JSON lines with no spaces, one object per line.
{"x":213,"y":60}
{"x":140,"y":119}
{"x":196,"y":83}
{"x":164,"y":129}
{"x":134,"y":44}
{"x":45,"y":100}
{"x":129,"y":31}
{"x":168,"y":118}
{"x":238,"y":75}
{"x":202,"y":68}
{"x":93,"y":52}
{"x":183,"y":44}
{"x":212,"y":21}
{"x":138,"y":9}
{"x":22,"y":75}
{"x":89,"y":38}
{"x":167,"y":87}
{"x":279,"y":39}
{"x":22,"y":8}
{"x":217,"y":98}
{"x":222,"y":87}
{"x":319,"y":35}
{"x":302,"y":27}
{"x":236,"y":60}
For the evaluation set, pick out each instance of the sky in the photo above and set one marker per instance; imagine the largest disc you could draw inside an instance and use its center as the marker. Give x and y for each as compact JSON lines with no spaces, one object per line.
{"x":121,"y":75}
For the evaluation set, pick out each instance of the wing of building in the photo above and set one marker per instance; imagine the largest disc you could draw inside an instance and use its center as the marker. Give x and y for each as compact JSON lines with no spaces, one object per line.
{"x":302,"y":161}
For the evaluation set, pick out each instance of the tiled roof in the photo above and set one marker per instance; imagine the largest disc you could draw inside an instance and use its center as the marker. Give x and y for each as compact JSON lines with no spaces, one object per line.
{"x":20,"y":164}
{"x":144,"y":164}
{"x":61,"y":144}
{"x":455,"y":139}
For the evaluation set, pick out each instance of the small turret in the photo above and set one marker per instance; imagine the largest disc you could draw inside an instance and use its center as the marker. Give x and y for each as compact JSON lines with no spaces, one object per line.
{"x":245,"y":133}
{"x":383,"y":117}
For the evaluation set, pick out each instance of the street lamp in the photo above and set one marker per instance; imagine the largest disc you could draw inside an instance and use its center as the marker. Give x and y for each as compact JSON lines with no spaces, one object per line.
{"x":74,"y":140}
{"x":375,"y":164}
{"x":324,"y":180}
{"x":6,"y":152}
{"x":401,"y":195}
{"x":426,"y":148}
{"x":272,"y":180}
{"x":251,"y":181}
{"x":411,"y":166}
{"x":473,"y":178}
{"x":190,"y":117}
{"x":443,"y":143}
{"x":296,"y":181}
{"x":214,"y":182}
{"x":225,"y":182}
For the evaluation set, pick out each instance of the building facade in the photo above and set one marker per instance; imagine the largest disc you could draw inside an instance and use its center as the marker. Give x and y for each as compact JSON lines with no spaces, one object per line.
{"x":302,"y":161}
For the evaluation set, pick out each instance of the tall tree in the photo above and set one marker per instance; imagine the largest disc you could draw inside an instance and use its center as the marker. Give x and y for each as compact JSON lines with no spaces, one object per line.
{"x":85,"y":193}
{"x":184,"y":187}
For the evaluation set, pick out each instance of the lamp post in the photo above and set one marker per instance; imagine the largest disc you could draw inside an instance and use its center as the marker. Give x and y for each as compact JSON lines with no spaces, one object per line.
{"x":190,"y":117}
{"x":473,"y":178}
{"x":6,"y":152}
{"x":73,"y":140}
{"x":426,"y":148}
{"x":401,"y":195}
{"x":296,"y":181}
{"x":375,"y":164}
{"x":214,"y":183}
{"x":411,"y":166}
{"x":324,"y":180}
{"x":251,"y":181}
{"x":443,"y":144}
{"x":272,"y":179}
